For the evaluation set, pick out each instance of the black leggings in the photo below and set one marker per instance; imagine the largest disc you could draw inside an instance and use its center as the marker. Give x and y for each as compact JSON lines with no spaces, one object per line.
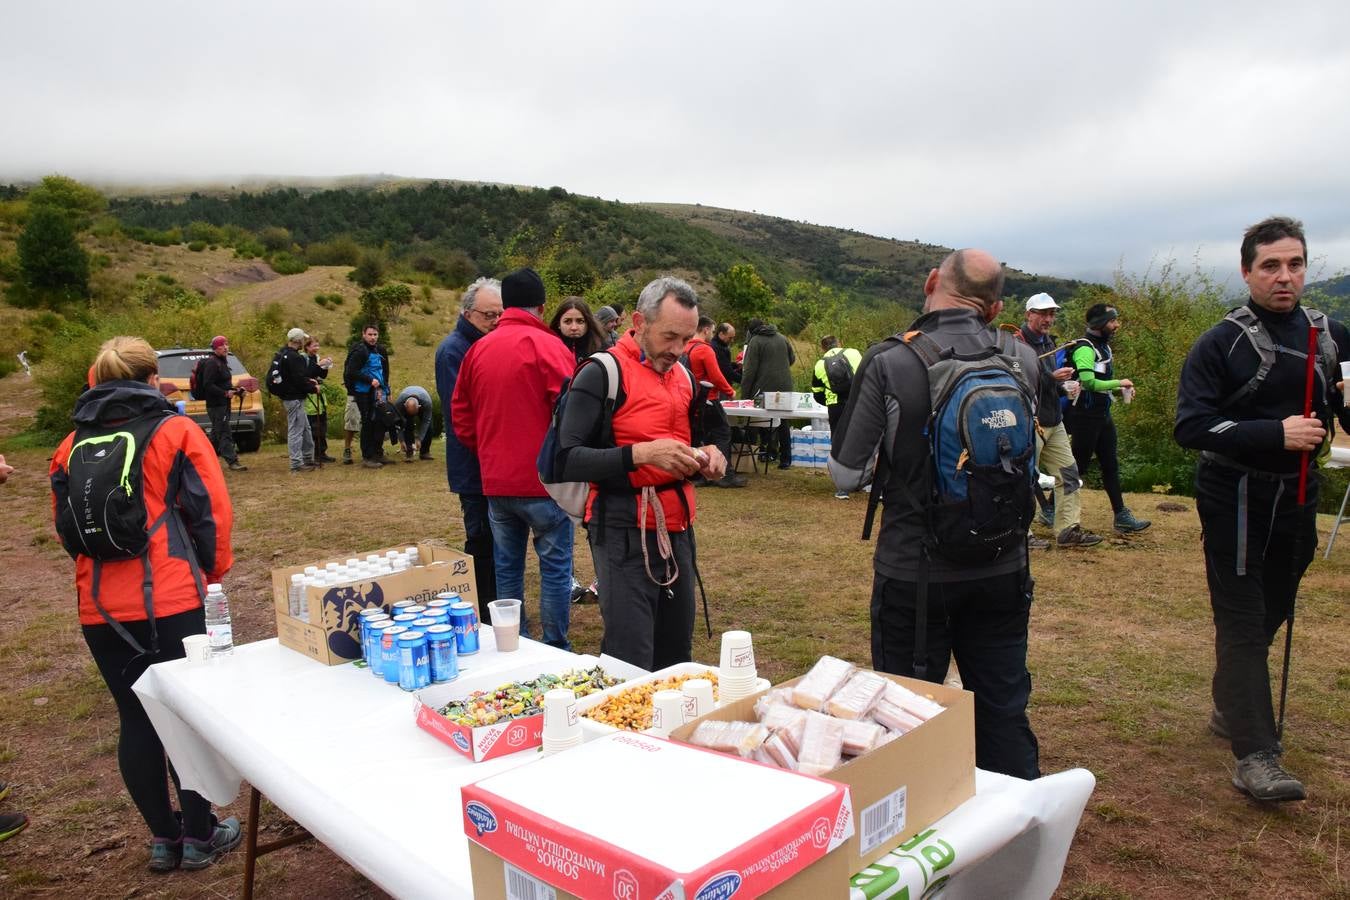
{"x":1093,"y":436}
{"x":140,"y":755}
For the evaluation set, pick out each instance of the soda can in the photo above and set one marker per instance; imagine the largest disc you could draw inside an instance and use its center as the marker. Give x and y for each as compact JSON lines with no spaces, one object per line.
{"x":441,"y":650}
{"x":422,"y":623}
{"x":414,"y":669}
{"x":438,"y":616}
{"x":414,"y":610}
{"x":405,"y":619}
{"x":370,"y":612}
{"x":401,"y":607}
{"x":389,"y":653}
{"x":363,"y":629}
{"x":371,"y":646}
{"x":465,"y":622}
{"x":450,"y":597}
{"x":439,"y":603}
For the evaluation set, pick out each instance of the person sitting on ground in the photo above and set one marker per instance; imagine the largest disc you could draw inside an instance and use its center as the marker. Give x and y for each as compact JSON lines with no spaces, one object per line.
{"x":578,"y":329}
{"x":215,"y":385}
{"x":414,"y":406}
{"x":135,"y":612}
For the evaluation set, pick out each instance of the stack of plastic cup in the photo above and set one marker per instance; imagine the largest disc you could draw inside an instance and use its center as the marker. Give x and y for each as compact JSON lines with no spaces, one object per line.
{"x":698,"y":698}
{"x":562,"y":724}
{"x":667,"y":712}
{"x":736,"y":674}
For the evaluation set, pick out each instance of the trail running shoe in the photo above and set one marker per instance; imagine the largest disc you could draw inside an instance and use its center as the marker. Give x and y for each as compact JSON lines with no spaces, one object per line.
{"x":11,"y":824}
{"x":200,"y":854}
{"x":165,"y":855}
{"x":1035,"y":543}
{"x":841,"y":495}
{"x":1261,"y":776}
{"x":731,"y":480}
{"x":1126,"y":523}
{"x":1075,"y":536}
{"x":347,"y":456}
{"x":4,"y":789}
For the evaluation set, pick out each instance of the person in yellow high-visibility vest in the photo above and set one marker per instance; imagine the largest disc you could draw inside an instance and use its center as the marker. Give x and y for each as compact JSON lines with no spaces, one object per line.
{"x":831,"y":380}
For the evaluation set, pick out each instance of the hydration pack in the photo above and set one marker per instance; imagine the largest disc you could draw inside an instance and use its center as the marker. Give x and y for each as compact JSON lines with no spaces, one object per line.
{"x":276,"y":375}
{"x":572,"y":495}
{"x":195,"y":380}
{"x":1265,"y":348}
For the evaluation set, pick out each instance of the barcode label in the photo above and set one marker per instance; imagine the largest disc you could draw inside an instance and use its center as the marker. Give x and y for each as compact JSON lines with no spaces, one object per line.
{"x":882,"y":821}
{"x":523,"y":886}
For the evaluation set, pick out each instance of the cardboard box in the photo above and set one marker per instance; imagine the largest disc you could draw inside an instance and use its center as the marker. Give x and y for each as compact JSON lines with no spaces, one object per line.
{"x":637,"y":817}
{"x":904,"y":786}
{"x":592,"y":729}
{"x":332,"y":634}
{"x":825,"y":879}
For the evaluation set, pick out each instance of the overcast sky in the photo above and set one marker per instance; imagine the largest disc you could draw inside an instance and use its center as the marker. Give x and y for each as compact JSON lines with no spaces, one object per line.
{"x":1067,"y":139}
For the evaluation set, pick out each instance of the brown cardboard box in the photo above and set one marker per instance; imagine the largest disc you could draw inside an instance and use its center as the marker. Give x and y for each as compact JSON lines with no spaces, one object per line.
{"x":904,"y":786}
{"x":825,"y":879}
{"x":332,"y":635}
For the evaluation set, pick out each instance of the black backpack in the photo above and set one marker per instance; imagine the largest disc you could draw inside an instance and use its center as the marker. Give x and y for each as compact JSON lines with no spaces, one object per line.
{"x":276,"y":377}
{"x":385,"y":415}
{"x":839,"y":373}
{"x":195,"y":381}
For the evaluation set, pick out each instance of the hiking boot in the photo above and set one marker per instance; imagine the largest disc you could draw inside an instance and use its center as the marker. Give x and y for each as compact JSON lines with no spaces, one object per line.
{"x":731,"y":480}
{"x":371,"y":464}
{"x":841,"y":495}
{"x":237,"y":466}
{"x":578,"y":592}
{"x":327,"y":459}
{"x":698,"y":481}
{"x":1126,"y":523}
{"x":11,"y":824}
{"x":1261,"y":776}
{"x":1075,"y":536}
{"x":425,"y":456}
{"x":1035,"y":543}
{"x":165,"y":854}
{"x":302,"y":469}
{"x":346,"y":456}
{"x":200,"y":854}
{"x":1218,"y":725}
{"x":4,"y":789}
{"x":407,"y":456}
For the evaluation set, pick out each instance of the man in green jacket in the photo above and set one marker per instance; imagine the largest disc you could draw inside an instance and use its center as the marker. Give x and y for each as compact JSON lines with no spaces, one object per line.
{"x":768,"y":367}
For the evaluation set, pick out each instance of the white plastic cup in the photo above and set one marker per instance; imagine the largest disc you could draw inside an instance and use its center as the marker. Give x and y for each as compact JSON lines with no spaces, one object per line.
{"x":1127,"y":395}
{"x":738,"y":655}
{"x":198,"y":648}
{"x":1072,"y":389}
{"x":561,"y":721}
{"x":698,"y":695}
{"x":1345,"y":371}
{"x":505,"y":616}
{"x":667,"y":711}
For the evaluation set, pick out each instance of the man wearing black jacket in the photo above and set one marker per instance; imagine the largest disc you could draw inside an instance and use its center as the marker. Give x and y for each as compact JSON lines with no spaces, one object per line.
{"x":366,"y":377}
{"x":215,"y":385}
{"x":292,"y":384}
{"x":1253,"y":438}
{"x":721,"y":344}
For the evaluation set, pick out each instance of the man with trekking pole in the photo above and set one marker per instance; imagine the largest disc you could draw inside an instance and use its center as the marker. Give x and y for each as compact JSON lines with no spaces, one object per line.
{"x":1256,"y":397}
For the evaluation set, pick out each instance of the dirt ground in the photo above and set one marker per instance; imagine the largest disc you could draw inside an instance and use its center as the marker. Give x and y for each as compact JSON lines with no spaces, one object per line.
{"x":1121,"y":655}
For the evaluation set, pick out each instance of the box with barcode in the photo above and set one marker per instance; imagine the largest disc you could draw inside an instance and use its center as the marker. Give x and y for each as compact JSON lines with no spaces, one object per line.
{"x":904,"y":786}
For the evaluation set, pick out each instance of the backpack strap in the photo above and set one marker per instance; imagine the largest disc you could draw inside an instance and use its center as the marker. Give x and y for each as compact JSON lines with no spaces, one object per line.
{"x":1256,"y":334}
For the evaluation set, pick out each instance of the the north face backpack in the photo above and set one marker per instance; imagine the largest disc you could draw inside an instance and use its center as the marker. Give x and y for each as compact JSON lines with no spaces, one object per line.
{"x":839,"y":373}
{"x":195,"y":380}
{"x":572,"y":495}
{"x":982,"y":447}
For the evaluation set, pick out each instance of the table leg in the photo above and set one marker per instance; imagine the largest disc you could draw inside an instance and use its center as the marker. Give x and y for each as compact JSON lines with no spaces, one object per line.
{"x":1337,"y":527}
{"x":252,"y":850}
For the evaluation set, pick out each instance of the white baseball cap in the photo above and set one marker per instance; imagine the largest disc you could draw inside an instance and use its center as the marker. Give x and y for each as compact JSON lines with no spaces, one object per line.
{"x":1041,"y":301}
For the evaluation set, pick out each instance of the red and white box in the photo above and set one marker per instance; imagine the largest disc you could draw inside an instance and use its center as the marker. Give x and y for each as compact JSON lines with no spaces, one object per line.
{"x":637,"y":817}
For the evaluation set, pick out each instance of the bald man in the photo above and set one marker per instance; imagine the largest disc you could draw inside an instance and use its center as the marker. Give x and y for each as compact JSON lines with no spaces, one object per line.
{"x":977,"y":612}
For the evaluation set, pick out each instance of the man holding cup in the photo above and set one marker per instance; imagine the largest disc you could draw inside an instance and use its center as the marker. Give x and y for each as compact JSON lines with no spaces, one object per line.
{"x":1241,"y":403}
{"x":1053,"y":451}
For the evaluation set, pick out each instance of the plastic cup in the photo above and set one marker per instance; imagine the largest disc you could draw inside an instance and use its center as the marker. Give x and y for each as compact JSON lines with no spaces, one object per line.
{"x":1072,"y":389}
{"x":198,"y":648}
{"x":505,"y":615}
{"x":1345,"y":371}
{"x":698,"y":698}
{"x":561,"y":722}
{"x":667,"y":711}
{"x":1127,"y":395}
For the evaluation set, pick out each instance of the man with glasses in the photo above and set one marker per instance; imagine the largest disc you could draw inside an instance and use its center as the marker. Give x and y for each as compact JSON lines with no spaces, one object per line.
{"x":1053,"y":451}
{"x":479,"y":310}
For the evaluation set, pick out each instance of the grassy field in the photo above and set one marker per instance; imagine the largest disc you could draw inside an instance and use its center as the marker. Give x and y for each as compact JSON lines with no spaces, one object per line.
{"x":1120,"y":655}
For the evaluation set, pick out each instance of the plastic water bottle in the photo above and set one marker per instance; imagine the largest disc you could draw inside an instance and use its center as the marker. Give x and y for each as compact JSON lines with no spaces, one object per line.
{"x":297,"y":593}
{"x":219,"y":633}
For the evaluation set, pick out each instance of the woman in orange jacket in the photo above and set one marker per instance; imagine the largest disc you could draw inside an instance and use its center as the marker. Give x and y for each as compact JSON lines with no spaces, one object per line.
{"x":136,"y":608}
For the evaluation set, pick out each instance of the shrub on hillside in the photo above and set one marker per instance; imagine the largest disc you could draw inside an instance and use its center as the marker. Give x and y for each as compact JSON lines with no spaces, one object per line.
{"x":284,"y":263}
{"x":340,"y":251}
{"x":248,"y":248}
{"x":275,"y":238}
{"x":196,"y":246}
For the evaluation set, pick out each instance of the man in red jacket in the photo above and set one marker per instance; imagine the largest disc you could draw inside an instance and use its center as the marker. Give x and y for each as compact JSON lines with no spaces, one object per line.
{"x":704,"y":365}
{"x":501,"y":409}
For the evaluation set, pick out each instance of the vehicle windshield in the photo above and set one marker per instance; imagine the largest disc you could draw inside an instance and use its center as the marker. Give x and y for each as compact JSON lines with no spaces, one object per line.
{"x":180,"y":365}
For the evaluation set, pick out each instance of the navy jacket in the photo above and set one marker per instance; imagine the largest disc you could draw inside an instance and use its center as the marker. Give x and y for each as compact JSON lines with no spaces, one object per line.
{"x":461,"y":466}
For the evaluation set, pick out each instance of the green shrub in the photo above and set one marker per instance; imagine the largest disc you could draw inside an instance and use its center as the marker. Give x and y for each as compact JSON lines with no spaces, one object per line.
{"x":284,"y":263}
{"x":248,"y":248}
{"x":197,"y":246}
{"x":275,"y":238}
{"x":204,"y":232}
{"x":423,"y":335}
{"x":340,"y":251}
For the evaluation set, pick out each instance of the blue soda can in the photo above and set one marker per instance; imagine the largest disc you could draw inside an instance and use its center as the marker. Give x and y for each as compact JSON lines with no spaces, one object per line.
{"x":441,"y":650}
{"x":438,"y":616}
{"x":465,"y":622}
{"x":401,"y":606}
{"x":414,"y":669}
{"x":422,"y":623}
{"x":389,"y":653}
{"x":364,"y":625}
{"x":405,"y":619}
{"x":440,"y":602}
{"x":371,"y":646}
{"x":414,"y":610}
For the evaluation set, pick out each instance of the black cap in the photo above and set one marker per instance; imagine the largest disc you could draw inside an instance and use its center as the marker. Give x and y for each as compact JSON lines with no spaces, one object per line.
{"x":523,"y":288}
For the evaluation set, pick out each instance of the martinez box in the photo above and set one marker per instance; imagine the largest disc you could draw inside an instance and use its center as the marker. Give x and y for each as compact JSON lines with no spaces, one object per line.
{"x":664,"y":821}
{"x":903,"y":786}
{"x":332,"y":634}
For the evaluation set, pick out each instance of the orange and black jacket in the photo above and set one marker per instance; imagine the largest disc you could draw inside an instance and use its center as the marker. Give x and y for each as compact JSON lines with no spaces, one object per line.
{"x":180,"y":474}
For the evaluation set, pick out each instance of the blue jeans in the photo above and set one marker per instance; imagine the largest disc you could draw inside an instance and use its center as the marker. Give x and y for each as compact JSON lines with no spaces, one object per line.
{"x":513,"y":520}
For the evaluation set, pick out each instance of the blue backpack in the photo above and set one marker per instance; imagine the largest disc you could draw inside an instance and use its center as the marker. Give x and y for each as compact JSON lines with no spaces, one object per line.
{"x":982,"y":442}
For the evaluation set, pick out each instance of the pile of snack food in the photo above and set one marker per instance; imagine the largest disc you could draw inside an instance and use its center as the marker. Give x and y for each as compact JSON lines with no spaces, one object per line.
{"x":523,"y":698}
{"x":834,"y":712}
{"x":631,"y":708}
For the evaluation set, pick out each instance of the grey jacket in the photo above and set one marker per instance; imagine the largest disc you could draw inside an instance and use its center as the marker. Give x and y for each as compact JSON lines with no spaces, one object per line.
{"x":768,"y":362}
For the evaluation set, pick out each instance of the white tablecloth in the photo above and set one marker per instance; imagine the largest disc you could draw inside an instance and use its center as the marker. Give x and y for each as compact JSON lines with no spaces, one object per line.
{"x":337,"y":750}
{"x":775,"y":416}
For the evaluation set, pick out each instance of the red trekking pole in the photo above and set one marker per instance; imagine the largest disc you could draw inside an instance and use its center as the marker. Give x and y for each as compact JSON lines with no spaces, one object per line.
{"x":1305,"y":458}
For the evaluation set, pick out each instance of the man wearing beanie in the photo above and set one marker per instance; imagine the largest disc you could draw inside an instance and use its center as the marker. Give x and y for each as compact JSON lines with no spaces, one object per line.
{"x":289,"y":381}
{"x":215,"y":385}
{"x":501,"y":409}
{"x":1092,"y":431}
{"x":609,"y":320}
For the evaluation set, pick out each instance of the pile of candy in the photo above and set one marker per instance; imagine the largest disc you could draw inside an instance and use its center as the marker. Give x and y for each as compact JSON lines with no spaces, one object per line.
{"x":523,"y":698}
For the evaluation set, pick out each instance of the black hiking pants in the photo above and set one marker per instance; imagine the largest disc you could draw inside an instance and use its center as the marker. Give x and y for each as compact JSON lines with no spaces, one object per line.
{"x":222,"y":438}
{"x":1091,"y":436}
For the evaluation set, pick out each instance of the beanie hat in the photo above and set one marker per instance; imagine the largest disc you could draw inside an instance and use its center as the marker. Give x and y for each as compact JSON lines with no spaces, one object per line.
{"x":523,"y":288}
{"x":295,"y":334}
{"x":218,"y":341}
{"x":1099,"y":314}
{"x":605,"y":314}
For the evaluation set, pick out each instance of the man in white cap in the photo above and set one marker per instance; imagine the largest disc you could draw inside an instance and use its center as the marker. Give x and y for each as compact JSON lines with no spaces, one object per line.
{"x":1054,"y":453}
{"x":289,"y":381}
